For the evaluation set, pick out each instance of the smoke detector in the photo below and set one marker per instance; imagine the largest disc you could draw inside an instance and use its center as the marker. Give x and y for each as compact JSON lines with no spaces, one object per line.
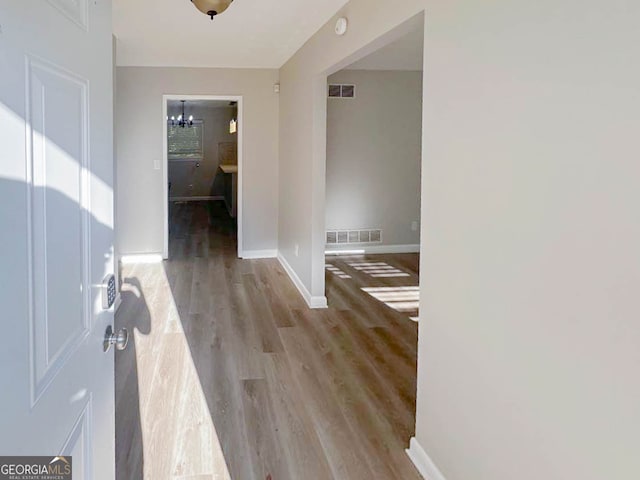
{"x":341,"y":26}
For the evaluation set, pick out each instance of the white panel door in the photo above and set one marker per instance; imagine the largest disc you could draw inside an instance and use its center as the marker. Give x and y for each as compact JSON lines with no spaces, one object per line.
{"x":56,"y":231}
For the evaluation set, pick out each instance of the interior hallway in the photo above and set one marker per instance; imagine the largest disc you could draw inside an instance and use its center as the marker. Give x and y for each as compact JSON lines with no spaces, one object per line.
{"x":232,"y":376}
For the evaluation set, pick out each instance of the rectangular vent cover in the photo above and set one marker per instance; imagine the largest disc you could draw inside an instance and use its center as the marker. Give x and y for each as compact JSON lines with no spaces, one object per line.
{"x":339,"y":237}
{"x":335,"y":91}
{"x":342,"y":91}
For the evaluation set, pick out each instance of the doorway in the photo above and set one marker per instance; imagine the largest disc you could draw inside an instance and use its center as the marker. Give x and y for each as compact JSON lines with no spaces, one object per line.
{"x":202,"y":158}
{"x":373,"y":171}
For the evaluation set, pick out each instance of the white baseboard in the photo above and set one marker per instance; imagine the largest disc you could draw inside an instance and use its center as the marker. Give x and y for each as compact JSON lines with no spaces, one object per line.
{"x":371,"y":249}
{"x":318,"y":303}
{"x":146,"y":258}
{"x":313,"y":302}
{"x":423,"y":463}
{"x":197,"y":199}
{"x":257,"y":254}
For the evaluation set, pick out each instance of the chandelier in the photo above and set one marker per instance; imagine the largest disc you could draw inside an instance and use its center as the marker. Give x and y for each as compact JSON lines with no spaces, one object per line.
{"x":182,"y":121}
{"x":212,"y":7}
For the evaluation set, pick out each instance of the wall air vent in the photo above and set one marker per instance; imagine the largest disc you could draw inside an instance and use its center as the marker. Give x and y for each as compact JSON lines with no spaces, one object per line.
{"x":335,"y":91}
{"x":345,"y":237}
{"x":348,"y":91}
{"x":342,"y":91}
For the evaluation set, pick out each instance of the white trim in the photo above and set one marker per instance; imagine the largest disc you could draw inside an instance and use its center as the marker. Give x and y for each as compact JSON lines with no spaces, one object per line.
{"x":318,"y":303}
{"x":239,"y":212}
{"x":145,"y":258}
{"x":372,"y":249}
{"x":313,"y":302}
{"x":165,"y":180}
{"x":198,"y":199}
{"x":165,"y":161}
{"x":423,"y":463}
{"x":257,"y":254}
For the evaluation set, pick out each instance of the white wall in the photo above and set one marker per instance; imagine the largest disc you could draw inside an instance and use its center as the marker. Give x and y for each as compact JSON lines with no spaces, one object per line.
{"x":529,"y":349}
{"x":528,"y":341}
{"x":140,"y":140}
{"x":374,"y":151}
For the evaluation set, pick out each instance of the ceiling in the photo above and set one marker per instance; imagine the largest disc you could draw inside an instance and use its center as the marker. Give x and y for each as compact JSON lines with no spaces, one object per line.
{"x":250,"y":34}
{"x":403,"y":54}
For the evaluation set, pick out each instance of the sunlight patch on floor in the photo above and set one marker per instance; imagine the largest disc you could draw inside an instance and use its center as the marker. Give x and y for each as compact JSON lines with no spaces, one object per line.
{"x":179,"y":438}
{"x":378,"y":269}
{"x":401,"y":299}
{"x":336,"y":271}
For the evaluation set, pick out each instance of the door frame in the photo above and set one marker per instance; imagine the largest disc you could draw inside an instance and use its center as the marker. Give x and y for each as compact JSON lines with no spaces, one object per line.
{"x":165,"y":162}
{"x":319,"y":147}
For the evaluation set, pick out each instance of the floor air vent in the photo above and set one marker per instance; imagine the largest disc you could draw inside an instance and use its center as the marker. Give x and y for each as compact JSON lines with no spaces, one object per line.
{"x":345,"y":237}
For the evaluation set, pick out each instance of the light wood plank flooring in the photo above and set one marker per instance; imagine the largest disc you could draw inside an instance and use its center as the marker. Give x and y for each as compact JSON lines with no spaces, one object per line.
{"x":230,"y":375}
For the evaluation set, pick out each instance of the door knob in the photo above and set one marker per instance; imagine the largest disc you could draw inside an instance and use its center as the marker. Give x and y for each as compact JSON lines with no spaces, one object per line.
{"x":120,"y":339}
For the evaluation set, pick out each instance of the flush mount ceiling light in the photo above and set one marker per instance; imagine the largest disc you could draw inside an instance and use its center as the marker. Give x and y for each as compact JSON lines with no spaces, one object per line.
{"x":182,"y":120}
{"x":212,"y":7}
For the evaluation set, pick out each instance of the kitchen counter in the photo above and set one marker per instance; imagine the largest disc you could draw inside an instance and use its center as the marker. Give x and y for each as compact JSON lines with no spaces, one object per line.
{"x":231,"y":188}
{"x":229,"y":168}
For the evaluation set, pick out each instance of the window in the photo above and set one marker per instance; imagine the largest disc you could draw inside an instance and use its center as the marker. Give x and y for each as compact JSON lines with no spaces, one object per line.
{"x":186,"y":143}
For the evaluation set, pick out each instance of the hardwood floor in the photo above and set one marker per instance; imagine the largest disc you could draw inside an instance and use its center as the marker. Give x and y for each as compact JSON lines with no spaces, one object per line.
{"x":230,"y":375}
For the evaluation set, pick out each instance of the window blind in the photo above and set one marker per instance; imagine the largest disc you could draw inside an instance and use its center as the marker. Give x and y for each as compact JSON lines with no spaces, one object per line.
{"x":187,"y":142}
